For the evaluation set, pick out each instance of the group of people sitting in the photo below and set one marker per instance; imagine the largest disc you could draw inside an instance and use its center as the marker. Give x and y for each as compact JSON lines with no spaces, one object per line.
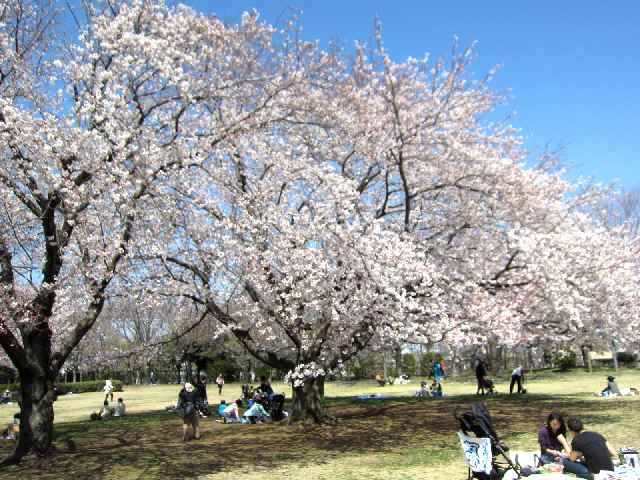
{"x":230,"y":413}
{"x":262,"y":404}
{"x":434,"y":390}
{"x":586,"y":454}
{"x":107,"y":411}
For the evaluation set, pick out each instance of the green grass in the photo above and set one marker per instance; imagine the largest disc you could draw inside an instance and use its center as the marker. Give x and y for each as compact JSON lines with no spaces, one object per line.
{"x":400,"y":438}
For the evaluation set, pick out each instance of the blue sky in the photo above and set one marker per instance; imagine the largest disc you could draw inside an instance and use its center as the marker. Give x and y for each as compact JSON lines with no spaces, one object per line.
{"x":572,"y":67}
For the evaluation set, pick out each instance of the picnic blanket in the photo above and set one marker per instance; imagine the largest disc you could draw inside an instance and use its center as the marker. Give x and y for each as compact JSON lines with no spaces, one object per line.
{"x":622,"y":472}
{"x":373,"y":396}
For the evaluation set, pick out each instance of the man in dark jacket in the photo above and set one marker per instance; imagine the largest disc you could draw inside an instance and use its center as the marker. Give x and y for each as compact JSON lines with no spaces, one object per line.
{"x":202,"y":401}
{"x":187,"y":405}
{"x":590,"y":447}
{"x":481,"y":373}
{"x":265,"y":387}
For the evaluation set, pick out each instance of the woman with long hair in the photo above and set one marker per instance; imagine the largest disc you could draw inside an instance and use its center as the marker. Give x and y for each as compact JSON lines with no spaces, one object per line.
{"x":552,"y":439}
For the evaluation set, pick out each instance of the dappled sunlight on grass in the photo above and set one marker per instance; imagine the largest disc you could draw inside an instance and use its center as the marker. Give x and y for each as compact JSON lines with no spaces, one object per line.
{"x":399,"y":438}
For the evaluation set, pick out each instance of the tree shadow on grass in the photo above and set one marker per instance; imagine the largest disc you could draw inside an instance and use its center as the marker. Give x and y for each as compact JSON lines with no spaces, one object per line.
{"x":149,"y":446}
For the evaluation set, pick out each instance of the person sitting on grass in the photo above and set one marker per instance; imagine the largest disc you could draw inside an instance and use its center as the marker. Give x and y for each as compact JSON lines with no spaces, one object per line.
{"x":221,"y":407}
{"x":231,"y":414}
{"x":256,"y":413}
{"x":13,"y":429}
{"x":611,"y":389}
{"x":590,"y":447}
{"x":120,"y":409}
{"x":424,"y":391}
{"x":436,"y":388}
{"x":265,"y":388}
{"x":552,"y":439}
{"x":105,"y":412}
{"x":5,"y":397}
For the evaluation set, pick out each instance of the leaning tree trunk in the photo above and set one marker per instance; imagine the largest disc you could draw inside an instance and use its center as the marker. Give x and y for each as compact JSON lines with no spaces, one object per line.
{"x":307,"y":403}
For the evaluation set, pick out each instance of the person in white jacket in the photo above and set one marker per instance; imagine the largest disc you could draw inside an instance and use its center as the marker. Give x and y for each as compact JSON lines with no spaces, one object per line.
{"x":108,"y":390}
{"x":231,"y":414}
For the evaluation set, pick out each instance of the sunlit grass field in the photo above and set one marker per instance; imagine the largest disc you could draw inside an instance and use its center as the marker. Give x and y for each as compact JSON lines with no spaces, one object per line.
{"x":397,"y":438}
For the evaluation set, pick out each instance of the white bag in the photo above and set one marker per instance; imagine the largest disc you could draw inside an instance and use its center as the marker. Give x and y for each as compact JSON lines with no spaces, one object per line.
{"x":525,"y":459}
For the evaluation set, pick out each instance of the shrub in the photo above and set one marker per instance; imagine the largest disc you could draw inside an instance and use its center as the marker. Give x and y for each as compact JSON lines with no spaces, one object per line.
{"x":409,"y":363}
{"x":77,"y":387}
{"x":363,"y":366}
{"x":565,"y":359}
{"x":627,"y":358}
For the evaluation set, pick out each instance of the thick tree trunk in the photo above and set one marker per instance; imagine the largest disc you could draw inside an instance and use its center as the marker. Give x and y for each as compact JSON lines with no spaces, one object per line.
{"x":36,"y":417}
{"x":201,"y":365}
{"x":307,"y":403}
{"x":37,"y":413}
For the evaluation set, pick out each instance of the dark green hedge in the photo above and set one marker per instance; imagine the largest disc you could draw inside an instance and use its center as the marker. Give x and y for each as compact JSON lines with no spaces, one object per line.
{"x":77,"y":387}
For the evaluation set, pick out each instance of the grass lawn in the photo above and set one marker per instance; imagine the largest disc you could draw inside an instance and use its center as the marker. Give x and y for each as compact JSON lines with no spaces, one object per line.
{"x":399,"y":438}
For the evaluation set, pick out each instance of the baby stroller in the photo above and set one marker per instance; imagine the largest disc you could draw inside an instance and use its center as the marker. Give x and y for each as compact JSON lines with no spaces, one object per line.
{"x":478,"y":422}
{"x":276,"y":408}
{"x":488,"y":385}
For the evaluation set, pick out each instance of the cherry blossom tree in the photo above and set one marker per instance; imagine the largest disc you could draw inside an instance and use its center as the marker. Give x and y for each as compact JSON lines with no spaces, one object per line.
{"x":139,"y":97}
{"x":286,"y":267}
{"x":382,"y":207}
{"x":312,"y":205}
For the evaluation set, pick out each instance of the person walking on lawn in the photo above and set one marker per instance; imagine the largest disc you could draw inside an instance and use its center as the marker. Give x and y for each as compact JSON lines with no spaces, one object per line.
{"x":187,"y":406}
{"x":220,"y":383}
{"x":481,"y":373}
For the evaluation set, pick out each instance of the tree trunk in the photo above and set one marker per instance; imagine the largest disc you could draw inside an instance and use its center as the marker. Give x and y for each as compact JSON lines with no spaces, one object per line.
{"x":36,"y":417}
{"x":201,"y":365}
{"x":398,"y":354}
{"x":584,"y":351}
{"x":37,"y":413}
{"x":384,"y":366}
{"x":307,"y":403}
